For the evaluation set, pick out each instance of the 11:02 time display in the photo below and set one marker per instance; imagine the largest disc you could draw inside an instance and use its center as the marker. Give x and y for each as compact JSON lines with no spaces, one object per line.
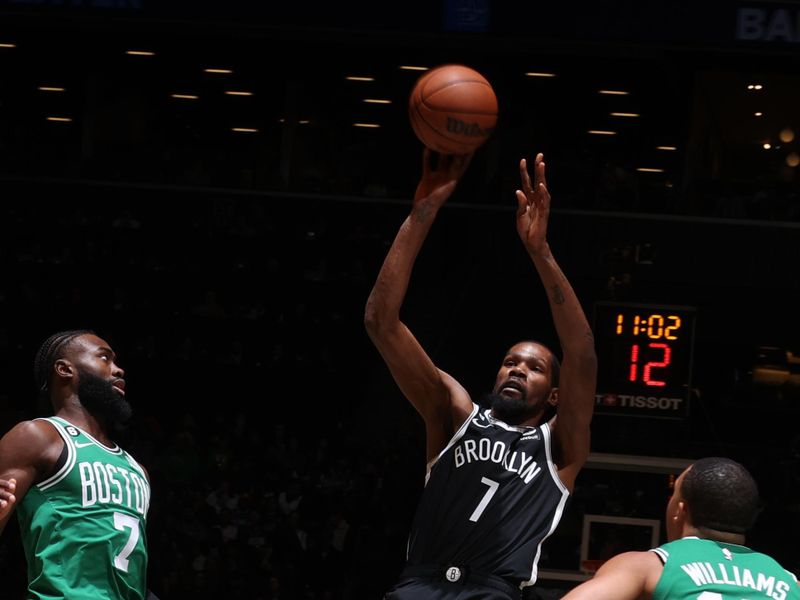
{"x":645,"y":356}
{"x":653,"y":326}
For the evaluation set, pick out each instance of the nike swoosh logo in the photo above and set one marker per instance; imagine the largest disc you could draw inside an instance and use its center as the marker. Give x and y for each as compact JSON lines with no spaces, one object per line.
{"x":77,"y":445}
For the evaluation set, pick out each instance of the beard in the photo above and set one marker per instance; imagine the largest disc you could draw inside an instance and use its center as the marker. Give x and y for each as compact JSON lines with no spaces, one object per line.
{"x":509,"y":410}
{"x":101,"y":399}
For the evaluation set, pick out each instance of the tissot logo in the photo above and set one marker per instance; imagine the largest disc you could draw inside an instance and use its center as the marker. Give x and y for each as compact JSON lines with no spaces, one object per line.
{"x":607,"y":400}
{"x":630,"y":401}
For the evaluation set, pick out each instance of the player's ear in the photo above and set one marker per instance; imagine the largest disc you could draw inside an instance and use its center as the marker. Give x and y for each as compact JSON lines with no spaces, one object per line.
{"x":681,"y":513}
{"x":64,"y":368}
{"x":683,"y":510}
{"x":552,"y":400}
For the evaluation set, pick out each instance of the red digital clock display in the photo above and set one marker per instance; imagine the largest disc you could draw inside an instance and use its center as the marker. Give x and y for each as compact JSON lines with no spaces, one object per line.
{"x":644,"y":357}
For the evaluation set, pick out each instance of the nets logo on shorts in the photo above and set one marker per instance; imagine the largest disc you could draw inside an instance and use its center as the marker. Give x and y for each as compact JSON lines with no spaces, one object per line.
{"x":453,"y":574}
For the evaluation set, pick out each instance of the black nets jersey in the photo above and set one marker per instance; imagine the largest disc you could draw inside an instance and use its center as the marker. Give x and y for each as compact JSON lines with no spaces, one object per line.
{"x":491,"y":498}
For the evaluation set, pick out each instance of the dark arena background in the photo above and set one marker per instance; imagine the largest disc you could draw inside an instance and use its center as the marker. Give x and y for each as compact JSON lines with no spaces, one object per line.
{"x":212,"y":187}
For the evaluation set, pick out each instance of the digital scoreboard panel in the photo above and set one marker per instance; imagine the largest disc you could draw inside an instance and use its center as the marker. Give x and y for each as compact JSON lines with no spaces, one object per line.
{"x":644,"y":354}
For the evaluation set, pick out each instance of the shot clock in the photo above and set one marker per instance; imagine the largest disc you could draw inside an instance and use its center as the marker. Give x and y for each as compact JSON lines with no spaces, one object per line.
{"x":644,"y":354}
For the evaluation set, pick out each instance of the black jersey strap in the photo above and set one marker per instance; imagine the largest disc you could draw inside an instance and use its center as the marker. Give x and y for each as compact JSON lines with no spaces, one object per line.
{"x":662,"y":554}
{"x":461,"y":575}
{"x":62,"y":459}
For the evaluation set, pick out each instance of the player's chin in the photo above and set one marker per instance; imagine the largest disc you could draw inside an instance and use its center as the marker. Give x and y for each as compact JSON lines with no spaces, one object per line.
{"x":122,"y":411}
{"x":508,"y":404}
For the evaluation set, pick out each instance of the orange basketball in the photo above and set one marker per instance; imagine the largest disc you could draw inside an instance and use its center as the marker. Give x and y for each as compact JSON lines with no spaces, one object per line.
{"x":453,"y":109}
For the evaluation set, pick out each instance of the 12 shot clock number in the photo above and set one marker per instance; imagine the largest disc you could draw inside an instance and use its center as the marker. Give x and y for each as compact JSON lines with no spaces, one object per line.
{"x":645,"y":358}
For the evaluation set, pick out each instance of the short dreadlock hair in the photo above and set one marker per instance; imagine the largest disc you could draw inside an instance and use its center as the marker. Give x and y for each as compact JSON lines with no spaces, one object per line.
{"x":49,"y":352}
{"x":721,"y":495}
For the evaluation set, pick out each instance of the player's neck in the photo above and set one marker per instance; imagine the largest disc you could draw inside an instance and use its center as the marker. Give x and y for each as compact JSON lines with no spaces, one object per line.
{"x":715,"y":535}
{"x":519,"y":421}
{"x":82,"y":418}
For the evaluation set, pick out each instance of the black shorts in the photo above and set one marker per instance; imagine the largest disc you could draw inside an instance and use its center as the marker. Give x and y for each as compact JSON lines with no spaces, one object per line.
{"x":420,"y":583}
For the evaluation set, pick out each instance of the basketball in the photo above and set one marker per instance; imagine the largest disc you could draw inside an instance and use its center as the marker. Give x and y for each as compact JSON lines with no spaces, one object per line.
{"x":453,"y":109}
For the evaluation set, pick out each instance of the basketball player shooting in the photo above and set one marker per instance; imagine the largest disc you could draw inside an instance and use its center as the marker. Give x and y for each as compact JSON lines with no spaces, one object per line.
{"x":497,"y":478}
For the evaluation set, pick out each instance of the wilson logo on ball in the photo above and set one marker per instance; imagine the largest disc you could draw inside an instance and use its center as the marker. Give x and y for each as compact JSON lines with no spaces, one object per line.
{"x":453,"y":109}
{"x":472,"y":129}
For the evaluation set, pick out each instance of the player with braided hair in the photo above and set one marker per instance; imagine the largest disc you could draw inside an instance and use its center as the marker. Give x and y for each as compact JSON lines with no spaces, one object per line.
{"x":81,"y":500}
{"x":48,"y":353}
